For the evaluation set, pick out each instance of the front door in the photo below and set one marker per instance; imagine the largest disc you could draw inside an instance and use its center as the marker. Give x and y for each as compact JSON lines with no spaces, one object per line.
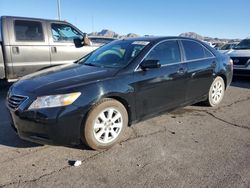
{"x":163,"y":88}
{"x":62,"y":46}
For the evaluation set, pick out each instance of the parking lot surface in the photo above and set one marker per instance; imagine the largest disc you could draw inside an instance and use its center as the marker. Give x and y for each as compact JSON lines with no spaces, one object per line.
{"x":195,"y":146}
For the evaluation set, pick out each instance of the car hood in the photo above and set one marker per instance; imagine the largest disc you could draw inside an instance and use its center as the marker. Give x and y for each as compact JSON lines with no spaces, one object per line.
{"x":223,"y":51}
{"x":56,"y":79}
{"x":239,"y":53}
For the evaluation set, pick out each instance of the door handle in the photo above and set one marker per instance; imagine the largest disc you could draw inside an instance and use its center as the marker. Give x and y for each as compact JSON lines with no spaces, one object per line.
{"x":181,"y":71}
{"x":53,"y":49}
{"x":15,"y":50}
{"x":213,"y":65}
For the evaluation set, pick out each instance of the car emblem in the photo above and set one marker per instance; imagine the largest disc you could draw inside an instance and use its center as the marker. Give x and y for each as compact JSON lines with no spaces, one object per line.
{"x":236,"y":61}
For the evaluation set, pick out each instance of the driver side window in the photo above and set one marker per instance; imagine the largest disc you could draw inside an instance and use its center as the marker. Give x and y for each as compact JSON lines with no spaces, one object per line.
{"x":64,"y":33}
{"x":166,"y":52}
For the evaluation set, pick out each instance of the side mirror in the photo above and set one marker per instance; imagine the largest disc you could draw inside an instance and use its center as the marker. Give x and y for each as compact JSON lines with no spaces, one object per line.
{"x":150,"y":64}
{"x":78,"y":42}
{"x":86,"y":40}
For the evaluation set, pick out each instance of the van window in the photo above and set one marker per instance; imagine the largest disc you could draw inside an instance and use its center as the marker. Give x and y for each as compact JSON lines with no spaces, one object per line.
{"x":194,"y":50}
{"x":64,"y":33}
{"x":166,"y":52}
{"x":28,"y":30}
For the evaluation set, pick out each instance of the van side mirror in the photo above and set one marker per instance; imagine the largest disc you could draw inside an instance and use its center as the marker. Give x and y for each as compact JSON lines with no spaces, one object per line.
{"x":78,"y":42}
{"x":86,"y":40}
{"x":150,"y":64}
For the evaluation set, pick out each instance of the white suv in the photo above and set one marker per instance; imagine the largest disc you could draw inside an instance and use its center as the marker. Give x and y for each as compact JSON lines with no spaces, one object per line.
{"x":241,"y":58}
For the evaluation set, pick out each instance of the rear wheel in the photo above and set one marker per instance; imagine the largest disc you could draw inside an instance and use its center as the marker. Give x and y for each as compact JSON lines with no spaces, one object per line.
{"x":216,"y":92}
{"x":105,"y":124}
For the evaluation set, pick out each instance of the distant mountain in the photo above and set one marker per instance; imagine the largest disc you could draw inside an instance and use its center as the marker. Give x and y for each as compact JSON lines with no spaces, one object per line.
{"x":131,"y":35}
{"x":105,"y":33}
{"x":192,"y":35}
{"x":112,"y":34}
{"x":208,"y":39}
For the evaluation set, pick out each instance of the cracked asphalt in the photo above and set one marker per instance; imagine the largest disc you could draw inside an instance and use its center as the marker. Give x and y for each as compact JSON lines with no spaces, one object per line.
{"x":193,"y":146}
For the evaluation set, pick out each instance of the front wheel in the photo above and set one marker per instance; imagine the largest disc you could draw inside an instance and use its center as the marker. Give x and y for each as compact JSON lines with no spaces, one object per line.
{"x":216,"y":92}
{"x":105,"y":124}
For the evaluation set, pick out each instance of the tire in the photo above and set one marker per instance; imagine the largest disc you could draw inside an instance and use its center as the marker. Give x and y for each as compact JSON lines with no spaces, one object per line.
{"x":105,"y":124}
{"x":3,"y":85}
{"x":216,"y":92}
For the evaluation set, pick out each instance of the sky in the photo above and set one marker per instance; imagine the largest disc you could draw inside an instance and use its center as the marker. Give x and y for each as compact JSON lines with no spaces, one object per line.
{"x":213,"y":18}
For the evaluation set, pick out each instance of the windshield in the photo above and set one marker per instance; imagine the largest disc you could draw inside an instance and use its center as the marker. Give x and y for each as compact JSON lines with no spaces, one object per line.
{"x":115,"y":54}
{"x":226,"y":47}
{"x":244,"y":44}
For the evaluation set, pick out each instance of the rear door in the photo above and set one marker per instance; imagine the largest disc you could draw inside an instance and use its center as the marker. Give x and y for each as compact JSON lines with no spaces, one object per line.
{"x":161,"y":88}
{"x":28,"y":46}
{"x":62,"y":47}
{"x":201,"y":64}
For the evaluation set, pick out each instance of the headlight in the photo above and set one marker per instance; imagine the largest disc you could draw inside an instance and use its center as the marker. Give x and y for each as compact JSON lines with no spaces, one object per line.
{"x":54,"y":100}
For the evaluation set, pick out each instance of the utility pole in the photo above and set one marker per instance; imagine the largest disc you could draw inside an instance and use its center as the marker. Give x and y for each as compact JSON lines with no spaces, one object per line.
{"x":59,"y":9}
{"x":92,"y":23}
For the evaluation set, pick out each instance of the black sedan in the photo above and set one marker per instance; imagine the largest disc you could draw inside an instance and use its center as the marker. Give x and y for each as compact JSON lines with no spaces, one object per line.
{"x":94,"y":99}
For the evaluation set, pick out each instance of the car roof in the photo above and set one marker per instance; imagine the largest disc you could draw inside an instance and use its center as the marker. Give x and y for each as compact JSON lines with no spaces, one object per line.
{"x":32,"y":18}
{"x":157,"y":38}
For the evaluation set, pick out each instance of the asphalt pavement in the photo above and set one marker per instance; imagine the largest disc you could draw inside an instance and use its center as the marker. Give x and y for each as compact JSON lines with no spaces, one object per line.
{"x":195,"y":146}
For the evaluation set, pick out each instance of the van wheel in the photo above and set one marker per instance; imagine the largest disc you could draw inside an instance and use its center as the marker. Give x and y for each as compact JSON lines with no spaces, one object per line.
{"x":105,"y":124}
{"x":216,"y":92}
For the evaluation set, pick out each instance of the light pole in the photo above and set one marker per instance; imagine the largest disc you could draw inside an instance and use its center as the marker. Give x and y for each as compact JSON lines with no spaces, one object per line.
{"x":59,"y":9}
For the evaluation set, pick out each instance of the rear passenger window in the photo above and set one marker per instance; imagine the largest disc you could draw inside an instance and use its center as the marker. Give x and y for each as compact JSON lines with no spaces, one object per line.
{"x":194,"y":50}
{"x":28,"y":31}
{"x":208,"y":53}
{"x":166,"y":52}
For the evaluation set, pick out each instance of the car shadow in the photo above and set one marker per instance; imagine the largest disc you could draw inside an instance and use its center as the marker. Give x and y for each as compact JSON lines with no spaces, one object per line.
{"x":242,"y":82}
{"x":8,"y":137}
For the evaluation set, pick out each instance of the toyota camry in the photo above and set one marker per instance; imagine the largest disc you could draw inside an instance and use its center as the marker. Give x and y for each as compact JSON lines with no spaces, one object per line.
{"x":97,"y":97}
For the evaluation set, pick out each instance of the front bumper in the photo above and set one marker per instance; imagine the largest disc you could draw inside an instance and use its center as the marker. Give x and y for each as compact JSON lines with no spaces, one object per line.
{"x":242,"y":71}
{"x":54,"y":126}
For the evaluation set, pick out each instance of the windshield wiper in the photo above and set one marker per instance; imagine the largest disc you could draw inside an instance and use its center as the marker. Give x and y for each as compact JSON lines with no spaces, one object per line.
{"x":90,"y":64}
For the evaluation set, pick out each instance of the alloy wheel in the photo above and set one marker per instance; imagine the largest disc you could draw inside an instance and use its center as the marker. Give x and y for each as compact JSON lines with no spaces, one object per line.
{"x":108,"y":125}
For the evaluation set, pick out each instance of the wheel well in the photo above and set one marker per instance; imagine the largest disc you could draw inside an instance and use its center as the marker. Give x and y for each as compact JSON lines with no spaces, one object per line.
{"x":121,"y":100}
{"x":125,"y":104}
{"x":224,"y":78}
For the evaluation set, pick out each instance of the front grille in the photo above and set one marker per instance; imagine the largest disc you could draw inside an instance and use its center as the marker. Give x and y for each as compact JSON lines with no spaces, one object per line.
{"x":14,"y":101}
{"x":240,"y":60}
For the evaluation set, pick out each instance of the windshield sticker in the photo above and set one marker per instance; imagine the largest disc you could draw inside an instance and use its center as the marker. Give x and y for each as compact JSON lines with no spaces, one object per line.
{"x":144,"y":43}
